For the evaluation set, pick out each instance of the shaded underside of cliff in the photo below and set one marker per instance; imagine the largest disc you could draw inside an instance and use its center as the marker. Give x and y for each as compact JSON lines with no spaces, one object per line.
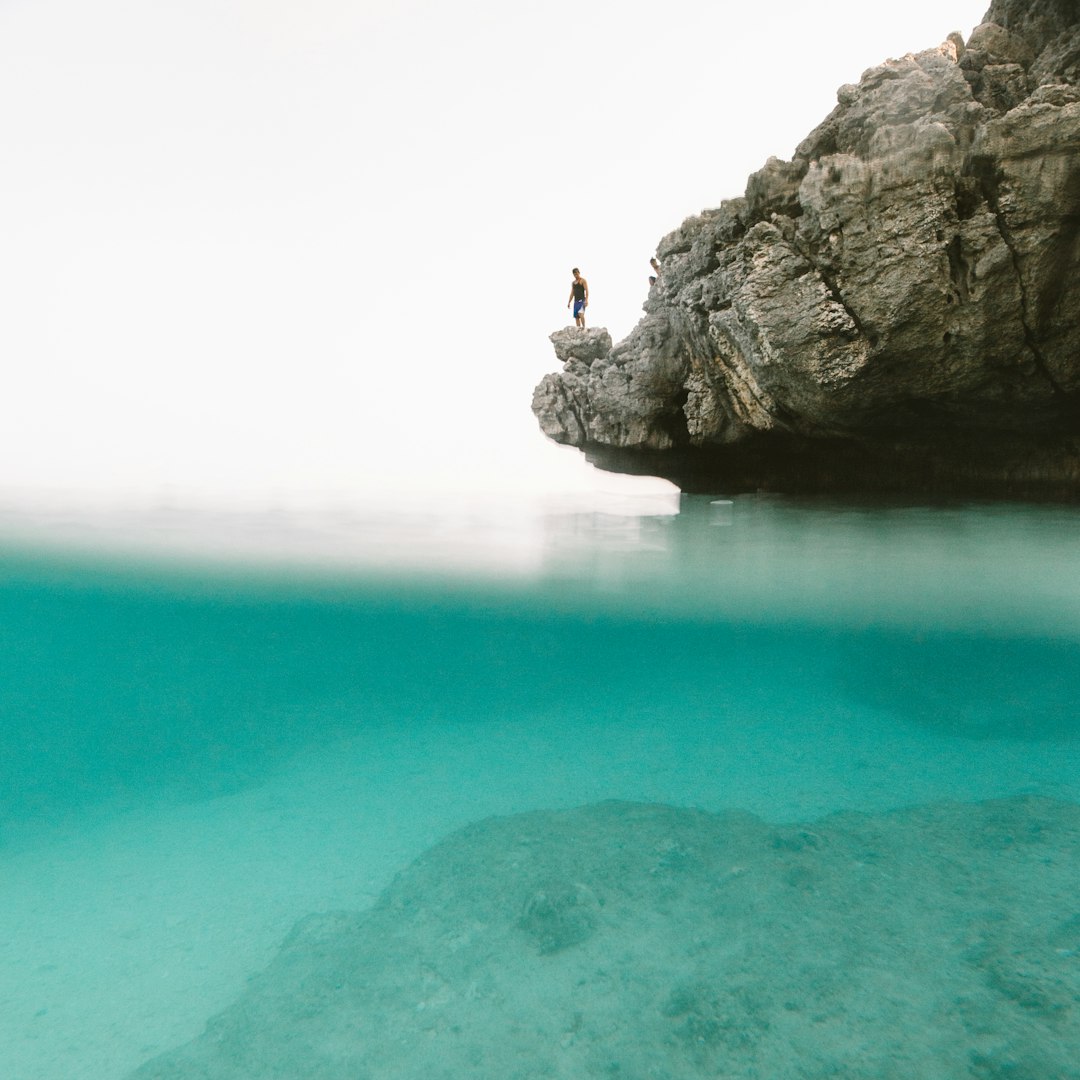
{"x":895,"y":308}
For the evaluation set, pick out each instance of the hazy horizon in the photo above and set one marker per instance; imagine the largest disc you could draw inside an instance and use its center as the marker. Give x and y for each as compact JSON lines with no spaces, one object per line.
{"x":257,"y":251}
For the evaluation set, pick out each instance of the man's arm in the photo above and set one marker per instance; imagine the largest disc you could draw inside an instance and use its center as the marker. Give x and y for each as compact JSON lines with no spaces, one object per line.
{"x":571,"y":300}
{"x":586,"y":284}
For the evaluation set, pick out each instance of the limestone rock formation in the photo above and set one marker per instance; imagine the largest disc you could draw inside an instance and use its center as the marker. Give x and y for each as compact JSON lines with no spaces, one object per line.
{"x":897,"y":307}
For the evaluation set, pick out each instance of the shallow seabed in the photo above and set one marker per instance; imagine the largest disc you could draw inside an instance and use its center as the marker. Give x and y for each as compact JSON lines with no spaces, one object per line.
{"x":244,"y":720}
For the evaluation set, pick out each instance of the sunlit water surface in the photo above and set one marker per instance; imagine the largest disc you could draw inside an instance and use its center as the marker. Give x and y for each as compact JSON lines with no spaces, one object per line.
{"x":213,"y":725}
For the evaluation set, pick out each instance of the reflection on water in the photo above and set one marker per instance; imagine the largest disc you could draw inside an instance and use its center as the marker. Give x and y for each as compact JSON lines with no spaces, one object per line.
{"x":763,"y":558}
{"x":134,"y":680}
{"x":123,"y":678}
{"x":242,"y":718}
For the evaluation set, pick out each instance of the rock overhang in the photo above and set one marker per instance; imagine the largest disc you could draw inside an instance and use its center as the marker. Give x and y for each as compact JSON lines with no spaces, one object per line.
{"x":896,"y":307}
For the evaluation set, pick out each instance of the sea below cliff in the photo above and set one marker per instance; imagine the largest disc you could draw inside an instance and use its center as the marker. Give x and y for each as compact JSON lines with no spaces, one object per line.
{"x":670,"y":787}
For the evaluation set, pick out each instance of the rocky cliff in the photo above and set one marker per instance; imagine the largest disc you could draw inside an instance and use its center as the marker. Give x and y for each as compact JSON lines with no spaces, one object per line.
{"x":896,"y":308}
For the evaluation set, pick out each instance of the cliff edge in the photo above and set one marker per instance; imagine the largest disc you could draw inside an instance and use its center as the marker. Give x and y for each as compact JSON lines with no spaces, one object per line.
{"x":896,"y":308}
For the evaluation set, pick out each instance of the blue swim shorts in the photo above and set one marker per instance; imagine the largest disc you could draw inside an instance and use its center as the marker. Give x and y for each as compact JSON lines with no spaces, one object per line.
{"x":579,"y":307}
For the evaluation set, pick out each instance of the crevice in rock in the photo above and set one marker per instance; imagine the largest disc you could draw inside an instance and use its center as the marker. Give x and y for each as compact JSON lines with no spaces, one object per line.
{"x":989,"y":179}
{"x":833,"y":289}
{"x":675,"y":424}
{"x":569,"y":402}
{"x":583,"y":431}
{"x":1065,"y":250}
{"x":969,"y":197}
{"x":959,"y":269}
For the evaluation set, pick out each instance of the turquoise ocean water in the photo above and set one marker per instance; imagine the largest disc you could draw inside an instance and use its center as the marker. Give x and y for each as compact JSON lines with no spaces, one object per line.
{"x":194,"y":754}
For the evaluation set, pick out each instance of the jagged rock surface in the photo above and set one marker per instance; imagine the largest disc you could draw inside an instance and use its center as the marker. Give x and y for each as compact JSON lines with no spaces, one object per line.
{"x":897,"y":307}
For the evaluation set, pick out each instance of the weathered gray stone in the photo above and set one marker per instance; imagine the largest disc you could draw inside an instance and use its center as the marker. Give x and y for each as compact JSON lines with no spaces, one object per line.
{"x":896,"y":307}
{"x":1003,"y":45}
{"x":572,"y":343}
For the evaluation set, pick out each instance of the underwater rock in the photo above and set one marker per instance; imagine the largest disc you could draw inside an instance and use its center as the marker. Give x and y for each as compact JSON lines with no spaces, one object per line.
{"x":896,"y":308}
{"x":639,"y":941}
{"x":559,"y":915}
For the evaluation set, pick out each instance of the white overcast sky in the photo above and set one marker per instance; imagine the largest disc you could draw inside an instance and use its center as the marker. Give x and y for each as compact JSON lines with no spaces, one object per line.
{"x":268,"y":247}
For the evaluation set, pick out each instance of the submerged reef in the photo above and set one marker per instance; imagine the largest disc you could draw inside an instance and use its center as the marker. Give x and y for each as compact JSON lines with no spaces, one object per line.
{"x":644,"y":941}
{"x":895,"y":308}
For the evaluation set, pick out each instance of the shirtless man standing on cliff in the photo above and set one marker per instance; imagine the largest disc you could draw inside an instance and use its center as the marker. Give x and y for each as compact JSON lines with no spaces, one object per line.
{"x":579,"y":297}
